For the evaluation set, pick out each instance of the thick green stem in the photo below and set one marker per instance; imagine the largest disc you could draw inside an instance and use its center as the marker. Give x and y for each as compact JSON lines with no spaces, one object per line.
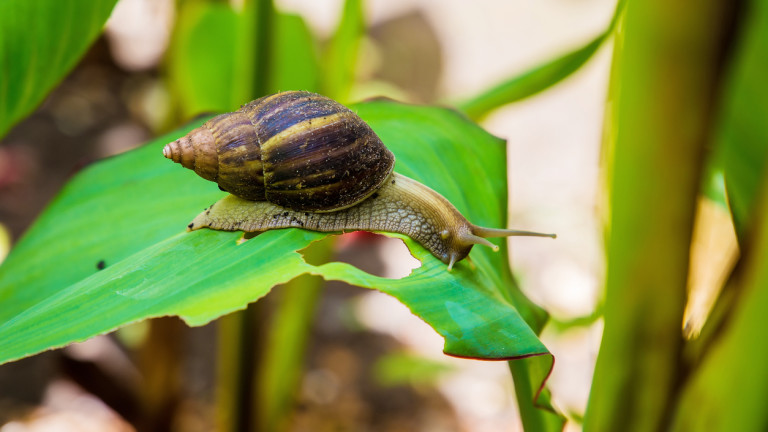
{"x":340,"y":57}
{"x":282,"y":360}
{"x":664,"y":81}
{"x":240,"y":333}
{"x":263,"y":19}
{"x":236,"y":366}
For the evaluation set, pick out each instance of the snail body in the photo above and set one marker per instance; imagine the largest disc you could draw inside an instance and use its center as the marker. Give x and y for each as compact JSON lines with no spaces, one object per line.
{"x":298,"y":159}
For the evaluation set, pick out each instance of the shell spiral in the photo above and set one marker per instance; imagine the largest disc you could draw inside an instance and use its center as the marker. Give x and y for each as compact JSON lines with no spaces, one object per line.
{"x":299,"y":150}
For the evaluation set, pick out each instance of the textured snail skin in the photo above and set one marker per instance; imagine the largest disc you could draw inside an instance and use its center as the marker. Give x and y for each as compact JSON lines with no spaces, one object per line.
{"x":402,"y":205}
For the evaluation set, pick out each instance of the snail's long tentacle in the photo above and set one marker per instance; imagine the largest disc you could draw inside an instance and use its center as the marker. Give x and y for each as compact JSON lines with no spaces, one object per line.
{"x":501,"y":232}
{"x":402,"y":206}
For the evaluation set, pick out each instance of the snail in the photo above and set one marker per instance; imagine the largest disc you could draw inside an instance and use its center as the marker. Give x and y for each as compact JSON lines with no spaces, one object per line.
{"x":299,"y":159}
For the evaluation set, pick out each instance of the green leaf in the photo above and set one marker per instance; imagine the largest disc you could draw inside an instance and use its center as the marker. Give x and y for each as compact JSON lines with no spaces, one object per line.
{"x":40,"y":42}
{"x":536,"y":411}
{"x":130,"y":213}
{"x":530,"y":82}
{"x":536,"y":79}
{"x":742,"y":137}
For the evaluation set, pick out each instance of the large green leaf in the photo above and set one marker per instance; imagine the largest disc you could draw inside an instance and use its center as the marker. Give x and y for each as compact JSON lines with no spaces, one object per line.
{"x":129,"y":213}
{"x":40,"y":41}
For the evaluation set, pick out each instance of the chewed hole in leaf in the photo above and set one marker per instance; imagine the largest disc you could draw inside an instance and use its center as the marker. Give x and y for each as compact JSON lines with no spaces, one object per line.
{"x":374,"y":254}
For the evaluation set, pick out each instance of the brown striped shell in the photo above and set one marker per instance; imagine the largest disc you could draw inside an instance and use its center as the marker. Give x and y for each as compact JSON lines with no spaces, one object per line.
{"x":299,"y":150}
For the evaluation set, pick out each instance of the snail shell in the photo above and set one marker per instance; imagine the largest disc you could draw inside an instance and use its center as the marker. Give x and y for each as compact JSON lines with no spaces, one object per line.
{"x":298,"y":150}
{"x":298,"y":159}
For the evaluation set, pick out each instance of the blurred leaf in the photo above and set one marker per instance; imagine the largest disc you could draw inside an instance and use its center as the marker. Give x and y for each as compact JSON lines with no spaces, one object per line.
{"x":536,"y":79}
{"x":129,"y":213}
{"x":294,"y":56}
{"x":742,"y":136}
{"x":401,"y":368}
{"x":340,"y":57}
{"x":213,"y":57}
{"x":727,"y":391}
{"x":40,"y":42}
{"x":713,"y":186}
{"x":664,"y":85}
{"x":204,"y":61}
{"x":530,"y":82}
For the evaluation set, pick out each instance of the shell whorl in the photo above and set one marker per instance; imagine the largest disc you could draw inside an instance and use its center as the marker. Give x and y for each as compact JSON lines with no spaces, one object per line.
{"x":299,"y":150}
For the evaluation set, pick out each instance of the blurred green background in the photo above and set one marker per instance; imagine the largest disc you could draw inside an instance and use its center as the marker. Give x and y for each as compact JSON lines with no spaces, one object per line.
{"x":647,"y":160}
{"x":159,"y":64}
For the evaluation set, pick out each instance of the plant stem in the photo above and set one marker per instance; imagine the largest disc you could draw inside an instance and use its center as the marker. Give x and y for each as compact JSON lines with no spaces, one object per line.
{"x":263,"y":20}
{"x":664,"y":81}
{"x":236,"y":365}
{"x":240,"y":333}
{"x":282,"y":360}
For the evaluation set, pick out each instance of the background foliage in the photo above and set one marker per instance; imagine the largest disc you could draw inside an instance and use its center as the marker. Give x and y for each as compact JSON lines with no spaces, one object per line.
{"x":684,"y":126}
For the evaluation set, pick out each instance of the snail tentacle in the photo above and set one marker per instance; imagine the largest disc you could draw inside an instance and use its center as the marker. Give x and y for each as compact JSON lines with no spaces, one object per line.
{"x":503,"y":232}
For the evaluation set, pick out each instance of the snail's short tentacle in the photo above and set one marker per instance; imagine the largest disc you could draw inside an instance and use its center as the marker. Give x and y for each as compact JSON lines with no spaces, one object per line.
{"x":402,"y":205}
{"x":472,"y":239}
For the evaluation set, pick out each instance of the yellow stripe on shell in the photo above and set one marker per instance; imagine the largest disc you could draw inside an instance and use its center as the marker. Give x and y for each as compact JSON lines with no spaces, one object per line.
{"x":308,"y":125}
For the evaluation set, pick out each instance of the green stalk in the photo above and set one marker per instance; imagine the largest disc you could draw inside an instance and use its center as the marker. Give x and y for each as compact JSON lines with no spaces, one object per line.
{"x":264,"y":16}
{"x":240,"y":333}
{"x":282,"y":360}
{"x":664,"y":81}
{"x":235,"y":368}
{"x":340,"y":57}
{"x":260,"y":363}
{"x":727,"y":389}
{"x":536,"y":411}
{"x":160,"y":359}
